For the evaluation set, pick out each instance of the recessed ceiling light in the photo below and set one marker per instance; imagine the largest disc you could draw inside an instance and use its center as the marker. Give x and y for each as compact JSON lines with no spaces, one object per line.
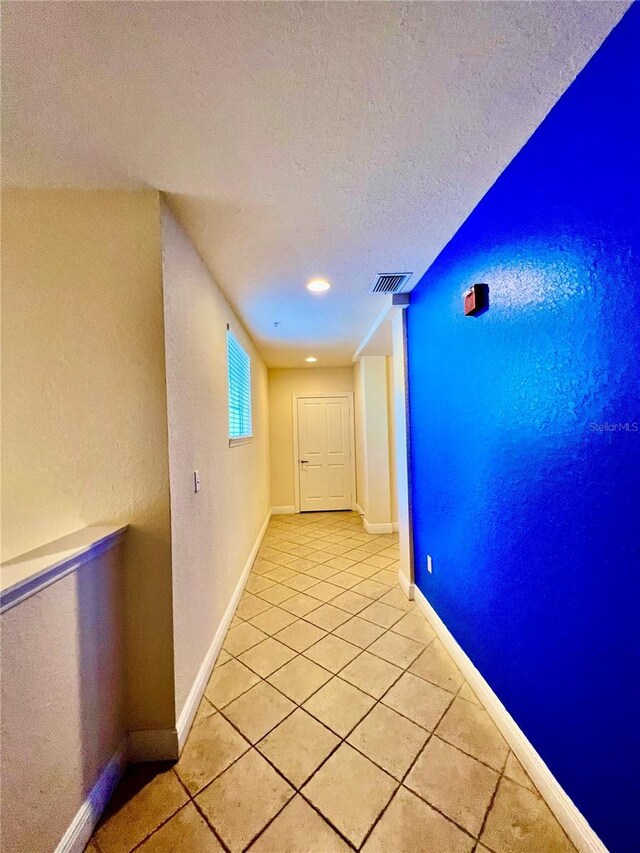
{"x":311,"y":359}
{"x":318,"y":285}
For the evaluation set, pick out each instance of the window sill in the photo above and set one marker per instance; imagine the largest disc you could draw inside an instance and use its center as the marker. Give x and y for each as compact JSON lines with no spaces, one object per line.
{"x":245,"y":439}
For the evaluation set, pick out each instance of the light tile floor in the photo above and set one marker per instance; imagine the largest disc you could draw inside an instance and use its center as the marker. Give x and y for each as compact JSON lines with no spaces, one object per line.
{"x":334,"y":720}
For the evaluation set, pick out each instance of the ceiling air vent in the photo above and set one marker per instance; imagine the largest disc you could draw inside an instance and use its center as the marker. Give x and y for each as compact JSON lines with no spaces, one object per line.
{"x":392,"y":282}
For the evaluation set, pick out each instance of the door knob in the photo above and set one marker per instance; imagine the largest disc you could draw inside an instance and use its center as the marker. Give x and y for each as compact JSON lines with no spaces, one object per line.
{"x":303,"y":460}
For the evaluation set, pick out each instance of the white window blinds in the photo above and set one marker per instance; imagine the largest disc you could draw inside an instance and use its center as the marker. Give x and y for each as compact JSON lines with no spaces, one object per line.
{"x":239,"y":367}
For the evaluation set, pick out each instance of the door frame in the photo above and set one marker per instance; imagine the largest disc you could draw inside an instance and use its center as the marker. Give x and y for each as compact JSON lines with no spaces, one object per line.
{"x":352,"y":443}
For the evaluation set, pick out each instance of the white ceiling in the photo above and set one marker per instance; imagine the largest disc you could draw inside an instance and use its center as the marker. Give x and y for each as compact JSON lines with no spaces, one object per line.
{"x":295,"y":139}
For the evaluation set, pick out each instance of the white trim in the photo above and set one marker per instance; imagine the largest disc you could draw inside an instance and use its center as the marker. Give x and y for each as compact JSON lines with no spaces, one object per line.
{"x":357,"y":508}
{"x":195,"y":694}
{"x":571,"y":819}
{"x":383,"y":527}
{"x":396,"y":526}
{"x":406,"y":586}
{"x":241,"y":439}
{"x":352,"y":443}
{"x":81,"y":827}
{"x":29,"y":573}
{"x":283,"y":510}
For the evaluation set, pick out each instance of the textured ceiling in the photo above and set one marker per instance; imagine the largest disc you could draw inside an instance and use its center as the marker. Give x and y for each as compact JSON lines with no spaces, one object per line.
{"x":293,"y":139}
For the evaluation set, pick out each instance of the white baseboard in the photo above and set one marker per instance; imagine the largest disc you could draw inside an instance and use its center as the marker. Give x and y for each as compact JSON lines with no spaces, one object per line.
{"x":571,"y":819}
{"x":81,"y":827}
{"x":358,"y":508}
{"x":190,"y":708}
{"x":283,"y":510}
{"x":406,"y":586}
{"x":384,"y":527}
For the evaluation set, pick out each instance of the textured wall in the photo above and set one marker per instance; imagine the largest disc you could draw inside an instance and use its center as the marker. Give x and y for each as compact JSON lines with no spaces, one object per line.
{"x":529,"y":511}
{"x":282,"y":384}
{"x":84,"y":424}
{"x":213,"y":531}
{"x":62,"y":700}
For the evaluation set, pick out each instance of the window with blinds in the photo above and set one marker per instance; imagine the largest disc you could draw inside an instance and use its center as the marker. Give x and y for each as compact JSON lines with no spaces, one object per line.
{"x":239,"y":367}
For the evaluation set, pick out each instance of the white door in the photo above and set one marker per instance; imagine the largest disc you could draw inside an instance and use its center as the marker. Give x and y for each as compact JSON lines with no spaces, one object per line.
{"x":324,"y":453}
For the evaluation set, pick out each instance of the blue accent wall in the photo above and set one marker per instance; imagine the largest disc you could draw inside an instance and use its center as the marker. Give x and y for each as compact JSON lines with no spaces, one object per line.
{"x":526,"y":491}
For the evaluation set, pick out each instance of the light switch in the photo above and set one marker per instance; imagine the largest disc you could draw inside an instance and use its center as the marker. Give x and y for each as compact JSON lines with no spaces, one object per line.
{"x":196,"y":481}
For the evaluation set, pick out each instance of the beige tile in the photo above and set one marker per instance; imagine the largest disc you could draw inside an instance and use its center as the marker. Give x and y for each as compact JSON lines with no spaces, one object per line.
{"x":396,"y":598}
{"x":243,"y":800}
{"x":359,"y":554}
{"x":299,"y":679}
{"x":277,"y":594}
{"x":521,"y":822}
{"x":243,"y":637}
{"x":411,"y":826}
{"x":147,"y":796}
{"x":389,"y":740}
{"x":381,"y":563}
{"x":467,"y":693}
{"x":281,"y":573}
{"x":273,"y":620}
{"x":325,"y":591}
{"x":322,"y":573}
{"x":351,"y":792}
{"x":211,"y":747}
{"x":258,"y":711}
{"x":91,"y":847}
{"x":393,"y":551}
{"x":396,"y":649}
{"x":228,"y":682}
{"x":327,"y":617}
{"x":420,"y":701}
{"x":250,"y":606}
{"x":341,"y":563}
{"x":352,"y":602}
{"x":387,"y":577}
{"x":266,"y":657}
{"x":381,"y":614}
{"x":516,"y":772}
{"x":364,"y":570}
{"x":454,"y":783}
{"x":301,"y":564}
{"x":332,"y":653}
{"x":301,"y":582}
{"x":299,"y":829}
{"x":205,"y":709}
{"x":258,"y":583}
{"x":235,"y":621}
{"x":300,"y":635}
{"x":359,"y":632}
{"x":186,"y":830}
{"x":435,"y":665}
{"x":346,"y":580}
{"x":262,"y":566}
{"x":267,"y":553}
{"x":414,"y":626}
{"x":339,"y":705}
{"x":371,"y":674}
{"x":300,"y":604}
{"x":223,"y":657}
{"x":470,"y":728}
{"x":298,"y":746}
{"x":372,"y":589}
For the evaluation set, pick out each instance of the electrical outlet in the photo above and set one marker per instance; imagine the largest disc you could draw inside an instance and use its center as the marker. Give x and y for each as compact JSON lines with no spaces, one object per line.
{"x":196,"y":481}
{"x":429,"y":564}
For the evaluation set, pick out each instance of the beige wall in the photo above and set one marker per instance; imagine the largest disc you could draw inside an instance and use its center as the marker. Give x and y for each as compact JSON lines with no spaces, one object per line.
{"x":372,"y":440}
{"x":282,"y":384}
{"x":62,"y":700}
{"x":214,"y":530}
{"x":84,"y":431}
{"x":393,"y":472}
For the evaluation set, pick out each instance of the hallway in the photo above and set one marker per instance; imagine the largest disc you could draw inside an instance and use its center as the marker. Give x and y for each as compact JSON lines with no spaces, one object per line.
{"x":333,"y":720}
